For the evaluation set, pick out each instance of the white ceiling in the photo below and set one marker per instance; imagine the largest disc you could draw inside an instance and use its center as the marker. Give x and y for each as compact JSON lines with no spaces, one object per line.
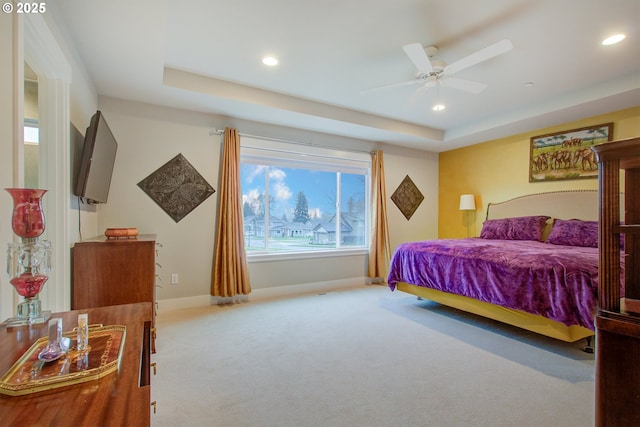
{"x":205,"y":55}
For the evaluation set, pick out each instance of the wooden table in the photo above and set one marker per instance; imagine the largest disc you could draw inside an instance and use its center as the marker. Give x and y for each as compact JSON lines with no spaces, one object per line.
{"x":121,"y":398}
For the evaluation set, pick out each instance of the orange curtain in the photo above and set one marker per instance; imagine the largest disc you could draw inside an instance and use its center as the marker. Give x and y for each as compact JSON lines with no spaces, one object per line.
{"x":379,"y":249}
{"x":230,"y":276}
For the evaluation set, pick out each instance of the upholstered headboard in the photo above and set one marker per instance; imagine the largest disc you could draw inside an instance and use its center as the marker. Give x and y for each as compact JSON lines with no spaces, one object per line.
{"x":578,"y":204}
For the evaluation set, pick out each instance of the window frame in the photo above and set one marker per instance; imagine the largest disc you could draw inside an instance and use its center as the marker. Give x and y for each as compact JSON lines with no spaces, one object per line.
{"x":254,"y":150}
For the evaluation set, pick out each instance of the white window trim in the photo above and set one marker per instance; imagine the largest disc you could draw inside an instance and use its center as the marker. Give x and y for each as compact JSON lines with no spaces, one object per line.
{"x":290,"y":256}
{"x":252,"y":150}
{"x":247,"y":143}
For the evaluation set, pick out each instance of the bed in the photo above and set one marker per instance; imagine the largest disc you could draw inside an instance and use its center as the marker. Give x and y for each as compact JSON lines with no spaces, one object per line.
{"x":534,"y":266}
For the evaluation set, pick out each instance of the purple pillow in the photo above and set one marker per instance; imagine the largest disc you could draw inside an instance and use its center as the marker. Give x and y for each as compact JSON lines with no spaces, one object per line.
{"x":574,"y":232}
{"x":518,"y":228}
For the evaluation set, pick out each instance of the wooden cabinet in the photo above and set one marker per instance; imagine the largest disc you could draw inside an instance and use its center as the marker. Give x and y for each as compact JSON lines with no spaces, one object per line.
{"x":618,"y":319}
{"x":114,"y":271}
{"x":121,"y":398}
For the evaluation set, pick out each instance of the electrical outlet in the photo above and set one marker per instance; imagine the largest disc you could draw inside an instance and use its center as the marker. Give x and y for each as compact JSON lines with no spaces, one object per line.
{"x":174,"y":278}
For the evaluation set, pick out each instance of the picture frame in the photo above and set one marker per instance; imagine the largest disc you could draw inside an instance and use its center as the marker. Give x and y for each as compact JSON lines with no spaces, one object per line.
{"x":567,"y":155}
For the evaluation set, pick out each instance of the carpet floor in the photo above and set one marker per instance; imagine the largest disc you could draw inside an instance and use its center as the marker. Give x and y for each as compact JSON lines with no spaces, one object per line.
{"x":363,"y":356}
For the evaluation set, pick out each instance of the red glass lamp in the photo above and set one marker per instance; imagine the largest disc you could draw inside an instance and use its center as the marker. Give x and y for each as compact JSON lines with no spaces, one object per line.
{"x":29,"y":260}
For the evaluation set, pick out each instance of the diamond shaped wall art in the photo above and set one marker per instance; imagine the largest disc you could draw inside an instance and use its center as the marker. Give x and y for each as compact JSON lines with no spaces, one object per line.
{"x":177,"y":187}
{"x":407,"y":197}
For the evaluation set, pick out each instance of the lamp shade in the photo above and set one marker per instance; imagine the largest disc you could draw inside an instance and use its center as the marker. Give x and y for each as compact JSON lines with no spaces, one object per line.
{"x":467,"y":202}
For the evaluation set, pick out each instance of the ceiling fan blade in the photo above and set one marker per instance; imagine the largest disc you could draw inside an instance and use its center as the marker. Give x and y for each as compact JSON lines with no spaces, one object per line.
{"x":462,"y":84}
{"x":488,"y":52}
{"x":419,"y":57}
{"x":391,"y":86}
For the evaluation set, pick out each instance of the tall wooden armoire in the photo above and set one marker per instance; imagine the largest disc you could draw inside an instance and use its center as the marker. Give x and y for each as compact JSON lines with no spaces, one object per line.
{"x":618,"y":316}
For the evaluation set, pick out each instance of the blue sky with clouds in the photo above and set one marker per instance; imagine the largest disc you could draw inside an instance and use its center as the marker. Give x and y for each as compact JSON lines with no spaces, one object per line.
{"x":319,"y":188}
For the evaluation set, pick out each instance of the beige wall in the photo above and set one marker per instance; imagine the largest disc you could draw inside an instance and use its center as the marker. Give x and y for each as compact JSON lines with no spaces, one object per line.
{"x":498,"y":170}
{"x":83,"y":102}
{"x":31,"y":99}
{"x":149,"y":136}
{"x":31,"y":151}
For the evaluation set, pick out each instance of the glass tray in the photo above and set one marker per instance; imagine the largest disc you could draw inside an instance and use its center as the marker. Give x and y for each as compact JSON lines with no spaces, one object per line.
{"x":30,"y":374}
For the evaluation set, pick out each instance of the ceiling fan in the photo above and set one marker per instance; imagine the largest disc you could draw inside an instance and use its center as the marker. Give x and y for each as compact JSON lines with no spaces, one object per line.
{"x":433,"y":71}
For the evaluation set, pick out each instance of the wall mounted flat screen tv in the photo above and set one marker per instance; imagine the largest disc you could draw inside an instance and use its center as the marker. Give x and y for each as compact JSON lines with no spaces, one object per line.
{"x":97,"y":161}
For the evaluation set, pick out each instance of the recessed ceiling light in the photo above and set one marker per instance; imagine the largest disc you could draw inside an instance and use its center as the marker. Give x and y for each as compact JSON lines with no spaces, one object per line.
{"x":270,"y":61}
{"x":613,"y":39}
{"x":439,"y":107}
{"x":527,"y":84}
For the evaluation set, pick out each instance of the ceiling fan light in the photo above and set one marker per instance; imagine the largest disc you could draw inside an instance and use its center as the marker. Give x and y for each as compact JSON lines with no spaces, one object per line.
{"x":439,"y":107}
{"x":613,"y":39}
{"x":270,"y":61}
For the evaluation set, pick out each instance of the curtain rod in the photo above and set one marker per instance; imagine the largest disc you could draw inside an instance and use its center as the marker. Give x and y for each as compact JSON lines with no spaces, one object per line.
{"x":288,"y":141}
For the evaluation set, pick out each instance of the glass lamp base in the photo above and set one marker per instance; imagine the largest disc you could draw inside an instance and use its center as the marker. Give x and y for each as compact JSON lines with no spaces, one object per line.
{"x":13,"y":322}
{"x":29,"y":312}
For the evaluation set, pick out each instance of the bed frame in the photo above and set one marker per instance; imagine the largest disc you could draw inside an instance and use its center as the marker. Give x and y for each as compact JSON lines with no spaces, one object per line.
{"x":578,"y":204}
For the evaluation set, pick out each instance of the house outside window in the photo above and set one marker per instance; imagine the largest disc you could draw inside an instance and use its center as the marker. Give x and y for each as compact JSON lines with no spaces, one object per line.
{"x":299,"y":199}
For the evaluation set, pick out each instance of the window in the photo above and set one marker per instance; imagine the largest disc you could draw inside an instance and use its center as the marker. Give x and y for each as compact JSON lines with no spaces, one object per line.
{"x":299,"y":199}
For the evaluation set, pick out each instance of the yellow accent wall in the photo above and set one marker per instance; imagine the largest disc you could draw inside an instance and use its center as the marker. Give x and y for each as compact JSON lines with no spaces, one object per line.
{"x":497,"y":170}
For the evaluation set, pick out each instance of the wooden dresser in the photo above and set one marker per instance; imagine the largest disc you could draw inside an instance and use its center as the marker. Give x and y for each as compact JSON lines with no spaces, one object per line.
{"x":121,"y":398}
{"x":618,"y":319}
{"x":114,"y":271}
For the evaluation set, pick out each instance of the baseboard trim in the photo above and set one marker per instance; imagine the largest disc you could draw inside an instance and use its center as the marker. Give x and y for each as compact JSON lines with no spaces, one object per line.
{"x":167,"y":305}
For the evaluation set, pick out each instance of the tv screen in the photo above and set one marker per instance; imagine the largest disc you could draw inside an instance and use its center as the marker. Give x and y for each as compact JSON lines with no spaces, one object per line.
{"x":98,"y":158}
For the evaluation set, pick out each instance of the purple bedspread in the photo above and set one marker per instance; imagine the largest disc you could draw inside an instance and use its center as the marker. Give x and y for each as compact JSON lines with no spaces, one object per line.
{"x":553,"y":281}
